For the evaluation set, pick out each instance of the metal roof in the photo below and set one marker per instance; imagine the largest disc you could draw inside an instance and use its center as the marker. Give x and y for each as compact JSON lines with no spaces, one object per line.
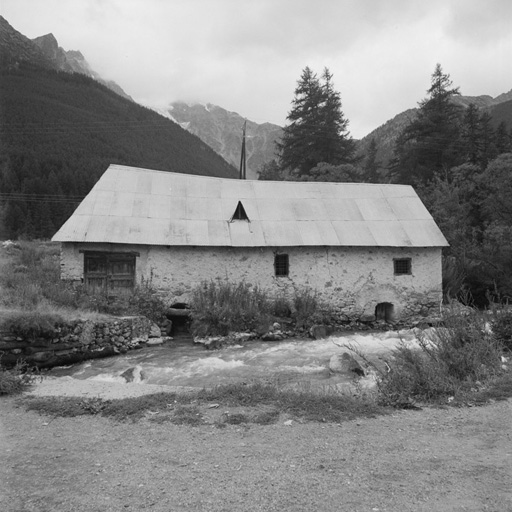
{"x":139,"y":206}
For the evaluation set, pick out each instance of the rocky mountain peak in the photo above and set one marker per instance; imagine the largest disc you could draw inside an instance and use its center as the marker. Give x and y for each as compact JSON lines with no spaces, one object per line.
{"x":222,"y":131}
{"x":15,"y":48}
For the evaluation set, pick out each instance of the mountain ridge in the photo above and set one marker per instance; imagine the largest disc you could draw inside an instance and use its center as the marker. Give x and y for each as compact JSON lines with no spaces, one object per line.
{"x":221,"y":129}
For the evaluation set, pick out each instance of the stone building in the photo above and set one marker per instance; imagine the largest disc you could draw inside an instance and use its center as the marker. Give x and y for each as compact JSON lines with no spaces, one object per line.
{"x":369,"y":250}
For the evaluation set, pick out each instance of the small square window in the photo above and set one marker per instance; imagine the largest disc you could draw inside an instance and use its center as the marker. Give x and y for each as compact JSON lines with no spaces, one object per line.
{"x":402,"y":266}
{"x":281,"y":265}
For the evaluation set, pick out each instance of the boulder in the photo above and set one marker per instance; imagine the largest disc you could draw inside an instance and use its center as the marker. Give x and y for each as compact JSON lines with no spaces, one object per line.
{"x":318,"y":331}
{"x":367,"y":317}
{"x":133,"y":374}
{"x":273,"y":336}
{"x":155,"y":331}
{"x":346,"y":364}
{"x":155,"y":341}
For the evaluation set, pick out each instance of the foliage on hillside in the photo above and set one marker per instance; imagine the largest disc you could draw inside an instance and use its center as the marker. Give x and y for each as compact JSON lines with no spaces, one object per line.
{"x":461,"y":166}
{"x":60,"y":132}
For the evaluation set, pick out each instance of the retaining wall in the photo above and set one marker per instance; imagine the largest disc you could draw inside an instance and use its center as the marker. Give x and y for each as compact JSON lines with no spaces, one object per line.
{"x":76,"y":341}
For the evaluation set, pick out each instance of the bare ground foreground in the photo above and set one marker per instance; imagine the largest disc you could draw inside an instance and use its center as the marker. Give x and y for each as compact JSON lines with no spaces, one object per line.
{"x":429,"y":460}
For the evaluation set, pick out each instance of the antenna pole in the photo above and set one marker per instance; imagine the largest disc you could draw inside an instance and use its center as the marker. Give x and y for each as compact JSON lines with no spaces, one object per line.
{"x":243,"y":170}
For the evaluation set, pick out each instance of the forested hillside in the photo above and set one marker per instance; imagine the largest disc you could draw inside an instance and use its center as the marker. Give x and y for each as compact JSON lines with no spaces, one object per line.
{"x":59,"y":133}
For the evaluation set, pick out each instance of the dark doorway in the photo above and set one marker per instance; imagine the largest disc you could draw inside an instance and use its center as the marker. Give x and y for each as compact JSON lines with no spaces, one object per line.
{"x":179,"y":315}
{"x":384,"y":311}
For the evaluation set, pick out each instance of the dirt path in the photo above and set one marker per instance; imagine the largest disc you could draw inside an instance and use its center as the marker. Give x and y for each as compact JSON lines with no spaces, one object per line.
{"x":430,"y":460}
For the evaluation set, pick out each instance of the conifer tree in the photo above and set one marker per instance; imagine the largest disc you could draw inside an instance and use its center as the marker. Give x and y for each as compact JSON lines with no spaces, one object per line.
{"x":430,"y":143}
{"x":371,"y":164}
{"x":317,"y":130}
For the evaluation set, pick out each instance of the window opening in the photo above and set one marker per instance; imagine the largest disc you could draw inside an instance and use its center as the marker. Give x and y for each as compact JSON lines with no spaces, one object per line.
{"x":109,"y":272}
{"x":281,"y":265}
{"x":240,"y":213}
{"x":402,"y":266}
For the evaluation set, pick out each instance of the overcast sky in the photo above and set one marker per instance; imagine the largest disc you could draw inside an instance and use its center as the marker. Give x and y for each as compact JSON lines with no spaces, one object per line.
{"x":247,"y":55}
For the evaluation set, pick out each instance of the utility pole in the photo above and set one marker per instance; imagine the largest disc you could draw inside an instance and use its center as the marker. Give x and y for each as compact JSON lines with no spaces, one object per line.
{"x":242,"y":156}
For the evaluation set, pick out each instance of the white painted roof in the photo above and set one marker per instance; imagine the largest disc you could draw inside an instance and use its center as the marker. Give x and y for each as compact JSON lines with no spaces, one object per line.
{"x":139,"y":206}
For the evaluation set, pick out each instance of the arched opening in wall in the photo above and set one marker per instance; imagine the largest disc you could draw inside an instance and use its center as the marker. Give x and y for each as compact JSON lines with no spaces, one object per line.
{"x":385,"y":311}
{"x":179,"y":316}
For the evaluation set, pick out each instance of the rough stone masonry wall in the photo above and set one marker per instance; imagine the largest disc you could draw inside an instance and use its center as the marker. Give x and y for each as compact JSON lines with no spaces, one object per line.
{"x":75,"y":341}
{"x":352,"y":280}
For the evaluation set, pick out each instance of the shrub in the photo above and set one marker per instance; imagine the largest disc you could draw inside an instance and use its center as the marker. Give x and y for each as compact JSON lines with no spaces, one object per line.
{"x":30,"y":325}
{"x":145,"y":301}
{"x":218,"y":308}
{"x":308,"y":309}
{"x":501,"y":324}
{"x":15,"y":380}
{"x":450,"y":361}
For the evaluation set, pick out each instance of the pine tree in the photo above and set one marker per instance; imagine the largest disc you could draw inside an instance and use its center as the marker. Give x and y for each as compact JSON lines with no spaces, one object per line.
{"x":503,"y":139}
{"x":488,"y":149}
{"x":371,"y":164}
{"x":430,"y":143}
{"x":317,"y":129}
{"x":471,"y":132}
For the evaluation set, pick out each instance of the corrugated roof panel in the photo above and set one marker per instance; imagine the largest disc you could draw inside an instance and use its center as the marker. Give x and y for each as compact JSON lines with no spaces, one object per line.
{"x":353,"y":233}
{"x":154,"y":229}
{"x":237,"y":189}
{"x":122,"y":204}
{"x":303,"y":190}
{"x":278,"y":210}
{"x":197,"y":232}
{"x":408,"y":208}
{"x":86,"y":207}
{"x":96,"y":229}
{"x":75,"y":228}
{"x":307,"y":209}
{"x":398,"y":191}
{"x":144,"y":180}
{"x":203,"y":187}
{"x":317,"y":233}
{"x":424,"y":233}
{"x":126,"y":183}
{"x":176,"y":233}
{"x":354,"y":190}
{"x":342,"y":209}
{"x":204,"y":208}
{"x":161,"y":184}
{"x":109,"y":178}
{"x":177,"y":208}
{"x":117,"y":229}
{"x":245,"y":234}
{"x":103,"y":202}
{"x":179,"y":188}
{"x":159,"y":207}
{"x":141,"y":204}
{"x":268,"y":190}
{"x":218,"y":232}
{"x":389,"y":233}
{"x":281,"y":233}
{"x":375,"y":209}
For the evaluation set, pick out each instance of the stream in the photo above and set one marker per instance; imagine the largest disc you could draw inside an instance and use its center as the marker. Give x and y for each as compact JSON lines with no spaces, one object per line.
{"x":182,"y":363}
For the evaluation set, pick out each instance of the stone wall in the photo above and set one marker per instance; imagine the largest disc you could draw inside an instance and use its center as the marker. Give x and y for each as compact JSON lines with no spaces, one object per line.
{"x":76,"y":341}
{"x":352,"y":280}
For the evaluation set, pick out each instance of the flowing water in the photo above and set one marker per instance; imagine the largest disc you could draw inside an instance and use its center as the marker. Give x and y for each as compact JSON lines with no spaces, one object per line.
{"x":181,"y":363}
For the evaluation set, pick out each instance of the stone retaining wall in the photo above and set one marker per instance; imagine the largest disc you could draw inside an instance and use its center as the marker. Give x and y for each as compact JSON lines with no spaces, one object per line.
{"x":76,"y":341}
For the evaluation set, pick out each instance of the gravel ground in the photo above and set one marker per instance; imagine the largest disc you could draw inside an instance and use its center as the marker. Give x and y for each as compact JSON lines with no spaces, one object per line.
{"x":429,"y":460}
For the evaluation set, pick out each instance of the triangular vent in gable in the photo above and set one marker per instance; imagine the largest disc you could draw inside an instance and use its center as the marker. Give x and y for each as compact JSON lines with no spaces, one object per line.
{"x":239,"y":213}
